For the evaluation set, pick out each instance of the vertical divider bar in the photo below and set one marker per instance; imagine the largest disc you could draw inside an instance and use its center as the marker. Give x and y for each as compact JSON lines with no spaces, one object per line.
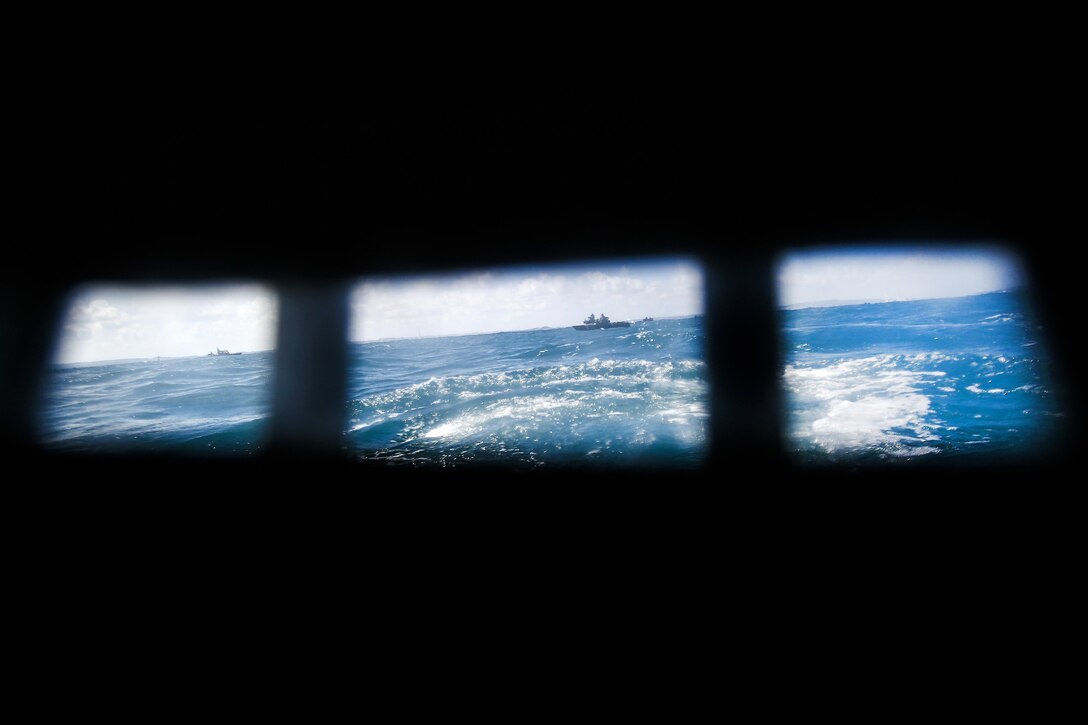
{"x":311,"y":368}
{"x":744,"y":361}
{"x":27,"y":338}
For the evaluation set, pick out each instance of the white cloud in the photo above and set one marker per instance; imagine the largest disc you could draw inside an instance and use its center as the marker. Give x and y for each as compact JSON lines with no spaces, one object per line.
{"x":522,"y":299}
{"x":258,"y":308}
{"x":117,"y":322}
{"x":893,"y":273}
{"x":98,"y":310}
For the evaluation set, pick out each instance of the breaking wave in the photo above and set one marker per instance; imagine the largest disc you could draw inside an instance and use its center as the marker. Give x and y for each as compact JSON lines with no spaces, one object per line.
{"x":545,"y":396}
{"x":950,"y":378}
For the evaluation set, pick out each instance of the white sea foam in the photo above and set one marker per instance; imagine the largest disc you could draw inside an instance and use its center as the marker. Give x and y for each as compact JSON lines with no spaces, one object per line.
{"x":974,"y":388}
{"x":367,"y":424}
{"x":873,"y":402}
{"x":514,"y":409}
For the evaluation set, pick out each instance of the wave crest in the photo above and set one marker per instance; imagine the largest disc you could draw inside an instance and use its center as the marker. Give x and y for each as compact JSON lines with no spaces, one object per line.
{"x":596,"y":409}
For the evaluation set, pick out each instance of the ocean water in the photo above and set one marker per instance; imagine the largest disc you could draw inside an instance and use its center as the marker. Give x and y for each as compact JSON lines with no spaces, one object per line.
{"x":963,"y":379}
{"x":635,"y":395}
{"x":627,"y":395}
{"x":960,"y":379}
{"x":204,"y":405}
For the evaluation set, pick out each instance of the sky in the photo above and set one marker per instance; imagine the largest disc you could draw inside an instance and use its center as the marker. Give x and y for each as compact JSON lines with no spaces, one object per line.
{"x":893,"y":273}
{"x":523,"y":298}
{"x":105,"y":322}
{"x":109,"y":322}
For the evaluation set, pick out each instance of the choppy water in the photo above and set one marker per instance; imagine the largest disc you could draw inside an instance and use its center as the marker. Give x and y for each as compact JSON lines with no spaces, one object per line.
{"x":636,"y":394}
{"x":625,"y":395}
{"x":198,"y":404}
{"x":957,"y":378}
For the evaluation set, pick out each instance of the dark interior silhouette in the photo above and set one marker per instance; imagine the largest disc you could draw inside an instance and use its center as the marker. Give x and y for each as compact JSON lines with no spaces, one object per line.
{"x":142,"y":180}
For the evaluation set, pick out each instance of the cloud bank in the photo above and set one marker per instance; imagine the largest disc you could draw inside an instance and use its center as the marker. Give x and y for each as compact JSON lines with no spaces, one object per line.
{"x":523,"y":299}
{"x":117,"y":322}
{"x":893,"y":273}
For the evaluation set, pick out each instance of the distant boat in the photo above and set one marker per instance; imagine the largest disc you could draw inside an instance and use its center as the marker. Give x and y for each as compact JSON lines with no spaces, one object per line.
{"x":599,"y":323}
{"x":647,"y":319}
{"x":220,"y":353}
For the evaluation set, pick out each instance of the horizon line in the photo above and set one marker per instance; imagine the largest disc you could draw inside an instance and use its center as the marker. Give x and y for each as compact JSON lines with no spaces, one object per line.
{"x":858,"y":303}
{"x":499,"y":332}
{"x":150,"y":358}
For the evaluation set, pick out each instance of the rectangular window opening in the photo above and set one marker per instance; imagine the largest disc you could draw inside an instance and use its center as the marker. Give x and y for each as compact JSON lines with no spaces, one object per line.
{"x":926,"y":353}
{"x":157,"y":367}
{"x":581,"y":364}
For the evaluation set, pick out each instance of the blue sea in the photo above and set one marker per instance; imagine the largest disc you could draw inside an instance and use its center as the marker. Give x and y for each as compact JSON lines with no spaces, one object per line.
{"x":954,"y":379}
{"x":634,"y":395}
{"x":963,"y":378}
{"x":630,"y":395}
{"x":204,"y":405}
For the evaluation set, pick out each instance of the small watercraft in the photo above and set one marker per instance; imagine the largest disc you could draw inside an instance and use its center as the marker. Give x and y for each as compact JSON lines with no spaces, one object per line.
{"x":220,"y":353}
